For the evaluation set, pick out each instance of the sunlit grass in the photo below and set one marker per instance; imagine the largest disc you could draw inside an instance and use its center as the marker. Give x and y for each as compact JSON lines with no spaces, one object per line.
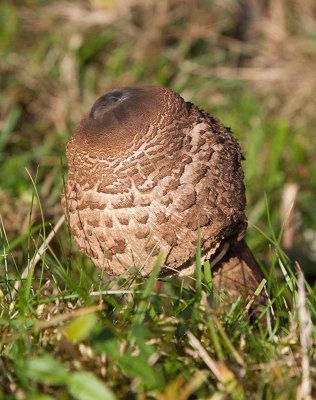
{"x":67,"y":325}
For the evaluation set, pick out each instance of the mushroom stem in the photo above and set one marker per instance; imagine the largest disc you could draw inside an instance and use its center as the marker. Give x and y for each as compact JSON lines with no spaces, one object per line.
{"x":238,"y":272}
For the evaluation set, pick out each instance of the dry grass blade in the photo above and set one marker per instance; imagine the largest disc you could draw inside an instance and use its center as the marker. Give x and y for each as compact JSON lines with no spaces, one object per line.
{"x":289,"y":214}
{"x":305,"y":327}
{"x":229,"y":384}
{"x":65,"y":317}
{"x":79,"y":15}
{"x":221,"y":372}
{"x":109,"y":292}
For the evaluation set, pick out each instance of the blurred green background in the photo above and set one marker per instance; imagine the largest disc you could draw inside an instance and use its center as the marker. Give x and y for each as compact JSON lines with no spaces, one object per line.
{"x":250,"y":63}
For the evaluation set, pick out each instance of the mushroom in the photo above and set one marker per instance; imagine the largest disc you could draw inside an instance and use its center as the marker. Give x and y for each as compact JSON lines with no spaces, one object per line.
{"x":147,"y":171}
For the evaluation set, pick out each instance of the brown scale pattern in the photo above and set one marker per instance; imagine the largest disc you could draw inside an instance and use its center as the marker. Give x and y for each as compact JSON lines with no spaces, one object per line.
{"x":145,"y":170}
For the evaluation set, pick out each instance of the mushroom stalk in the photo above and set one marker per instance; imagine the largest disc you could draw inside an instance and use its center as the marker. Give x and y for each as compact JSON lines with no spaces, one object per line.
{"x":239,"y":273}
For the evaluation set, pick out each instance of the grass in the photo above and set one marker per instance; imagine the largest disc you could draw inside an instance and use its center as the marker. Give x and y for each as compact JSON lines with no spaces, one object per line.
{"x":74,"y":333}
{"x":71,"y":332}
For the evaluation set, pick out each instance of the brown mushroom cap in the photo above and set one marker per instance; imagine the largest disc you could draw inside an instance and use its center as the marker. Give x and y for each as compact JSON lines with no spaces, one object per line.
{"x":146,"y":170}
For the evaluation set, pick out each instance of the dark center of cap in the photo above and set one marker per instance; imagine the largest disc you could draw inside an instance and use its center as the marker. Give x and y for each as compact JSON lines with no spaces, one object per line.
{"x":108,"y":100}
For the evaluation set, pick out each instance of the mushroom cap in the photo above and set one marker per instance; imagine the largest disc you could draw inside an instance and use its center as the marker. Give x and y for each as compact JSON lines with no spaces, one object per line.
{"x":146,"y":170}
